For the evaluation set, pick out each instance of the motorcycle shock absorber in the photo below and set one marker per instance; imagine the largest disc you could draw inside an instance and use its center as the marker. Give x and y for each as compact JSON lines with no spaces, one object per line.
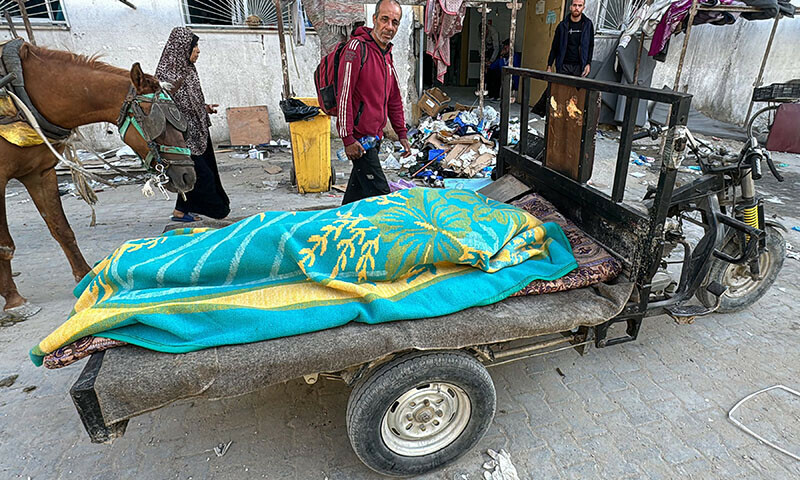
{"x":751,"y":216}
{"x":751,"y":209}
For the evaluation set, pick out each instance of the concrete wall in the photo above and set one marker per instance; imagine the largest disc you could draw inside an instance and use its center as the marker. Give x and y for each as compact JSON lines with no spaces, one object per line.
{"x":237,"y":68}
{"x":722,"y":63}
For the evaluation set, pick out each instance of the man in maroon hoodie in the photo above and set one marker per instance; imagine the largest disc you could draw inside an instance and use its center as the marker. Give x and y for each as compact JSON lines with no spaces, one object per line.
{"x":368,"y":94}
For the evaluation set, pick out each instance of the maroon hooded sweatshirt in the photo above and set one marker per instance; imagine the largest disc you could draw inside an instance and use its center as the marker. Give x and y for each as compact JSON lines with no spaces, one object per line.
{"x":368,"y":94}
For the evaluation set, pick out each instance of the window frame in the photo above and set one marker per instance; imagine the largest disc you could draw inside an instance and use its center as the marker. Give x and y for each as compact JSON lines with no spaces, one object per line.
{"x":240,"y":28}
{"x":601,"y":12}
{"x":36,"y":22}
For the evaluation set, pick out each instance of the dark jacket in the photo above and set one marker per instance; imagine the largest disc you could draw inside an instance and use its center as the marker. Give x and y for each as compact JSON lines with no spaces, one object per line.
{"x":559,"y":48}
{"x":369,"y":93}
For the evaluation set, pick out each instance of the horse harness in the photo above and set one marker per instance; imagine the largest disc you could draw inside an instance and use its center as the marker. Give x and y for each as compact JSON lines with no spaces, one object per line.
{"x":152,"y":125}
{"x":11,"y":63}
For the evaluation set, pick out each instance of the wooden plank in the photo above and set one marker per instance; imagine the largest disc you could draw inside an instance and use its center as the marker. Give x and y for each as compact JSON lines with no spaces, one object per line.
{"x":504,"y":189}
{"x":565,"y":130}
{"x":249,"y":125}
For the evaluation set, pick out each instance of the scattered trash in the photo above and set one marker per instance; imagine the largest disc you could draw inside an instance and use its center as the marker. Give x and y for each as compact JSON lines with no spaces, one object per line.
{"x":473,"y":184}
{"x":222,"y":448}
{"x":401,"y":185}
{"x":783,"y":164}
{"x":796,"y":229}
{"x":433,"y":101}
{"x":500,"y":467}
{"x":637,"y":174}
{"x":8,"y":380}
{"x":126,"y":151}
{"x":29,"y":388}
{"x":642,"y":160}
{"x":775,"y":200}
{"x":270,"y":184}
{"x":739,"y":424}
{"x":238,"y":155}
{"x":12,"y":194}
{"x":391,"y":163}
{"x":273,"y":169}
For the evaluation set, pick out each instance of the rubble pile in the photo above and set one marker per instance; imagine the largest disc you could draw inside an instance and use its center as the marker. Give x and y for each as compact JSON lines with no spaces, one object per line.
{"x":450,"y":143}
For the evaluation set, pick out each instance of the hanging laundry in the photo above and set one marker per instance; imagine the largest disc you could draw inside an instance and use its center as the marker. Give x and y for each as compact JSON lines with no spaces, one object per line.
{"x":443,"y":19}
{"x":769,"y":9}
{"x":647,"y":18}
{"x":674,"y":21}
{"x":333,"y":20}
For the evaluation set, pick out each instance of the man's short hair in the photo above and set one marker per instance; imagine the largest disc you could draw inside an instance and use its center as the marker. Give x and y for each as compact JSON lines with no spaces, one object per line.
{"x":378,"y":5}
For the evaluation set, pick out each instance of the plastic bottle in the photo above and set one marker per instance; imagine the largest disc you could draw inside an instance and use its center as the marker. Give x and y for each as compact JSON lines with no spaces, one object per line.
{"x":367,"y":142}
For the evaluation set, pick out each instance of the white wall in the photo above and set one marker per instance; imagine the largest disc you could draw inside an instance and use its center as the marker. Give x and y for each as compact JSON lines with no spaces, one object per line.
{"x":237,"y":68}
{"x":722,"y":63}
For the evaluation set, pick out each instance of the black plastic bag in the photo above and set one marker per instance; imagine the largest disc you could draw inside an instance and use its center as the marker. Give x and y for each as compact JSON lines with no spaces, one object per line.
{"x":294,"y":110}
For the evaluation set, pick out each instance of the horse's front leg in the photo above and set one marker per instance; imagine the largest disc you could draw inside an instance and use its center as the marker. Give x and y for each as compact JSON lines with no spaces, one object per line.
{"x":8,"y":289}
{"x":43,"y":189}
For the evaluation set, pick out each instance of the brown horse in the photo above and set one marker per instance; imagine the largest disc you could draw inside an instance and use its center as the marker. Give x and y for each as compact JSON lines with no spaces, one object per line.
{"x":72,"y":90}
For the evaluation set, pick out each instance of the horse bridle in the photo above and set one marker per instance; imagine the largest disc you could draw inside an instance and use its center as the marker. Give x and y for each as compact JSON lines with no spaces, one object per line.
{"x":150,"y":126}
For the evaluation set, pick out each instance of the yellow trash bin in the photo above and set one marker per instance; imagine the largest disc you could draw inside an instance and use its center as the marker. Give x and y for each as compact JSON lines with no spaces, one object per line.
{"x":311,"y":150}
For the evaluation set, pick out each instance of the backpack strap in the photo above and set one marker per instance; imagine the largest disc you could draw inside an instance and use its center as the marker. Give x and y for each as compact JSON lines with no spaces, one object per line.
{"x":338,"y":55}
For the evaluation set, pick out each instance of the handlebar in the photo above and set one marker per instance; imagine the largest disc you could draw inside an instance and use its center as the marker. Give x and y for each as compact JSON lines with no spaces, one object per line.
{"x":753,"y":143}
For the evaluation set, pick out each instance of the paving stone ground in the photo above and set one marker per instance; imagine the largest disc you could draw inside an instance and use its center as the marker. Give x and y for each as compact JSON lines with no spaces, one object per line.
{"x":655,"y":408}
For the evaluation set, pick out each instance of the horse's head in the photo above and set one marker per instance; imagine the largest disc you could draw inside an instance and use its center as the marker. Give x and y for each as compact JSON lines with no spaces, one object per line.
{"x":158,"y":133}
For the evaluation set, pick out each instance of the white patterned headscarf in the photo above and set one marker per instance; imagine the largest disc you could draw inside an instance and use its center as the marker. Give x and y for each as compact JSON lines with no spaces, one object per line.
{"x":176,"y":68}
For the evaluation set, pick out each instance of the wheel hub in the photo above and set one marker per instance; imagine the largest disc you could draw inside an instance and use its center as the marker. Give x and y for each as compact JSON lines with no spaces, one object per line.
{"x":738,"y":279}
{"x":425,"y":419}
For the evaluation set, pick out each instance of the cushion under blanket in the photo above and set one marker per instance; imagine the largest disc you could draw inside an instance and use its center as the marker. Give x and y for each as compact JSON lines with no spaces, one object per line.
{"x":595,"y":264}
{"x":134,"y":380}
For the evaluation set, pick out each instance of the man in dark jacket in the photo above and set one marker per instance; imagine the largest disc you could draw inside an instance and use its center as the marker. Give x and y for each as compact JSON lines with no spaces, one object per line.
{"x":368,"y":93}
{"x":573,"y":43}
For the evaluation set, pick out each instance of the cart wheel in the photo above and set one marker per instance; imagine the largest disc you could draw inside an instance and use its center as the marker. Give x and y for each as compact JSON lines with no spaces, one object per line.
{"x":420,"y":411}
{"x":743,"y":291}
{"x":333,"y":177}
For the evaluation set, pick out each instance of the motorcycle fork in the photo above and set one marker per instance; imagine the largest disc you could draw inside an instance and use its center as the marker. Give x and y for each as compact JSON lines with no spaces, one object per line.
{"x":751,"y":211}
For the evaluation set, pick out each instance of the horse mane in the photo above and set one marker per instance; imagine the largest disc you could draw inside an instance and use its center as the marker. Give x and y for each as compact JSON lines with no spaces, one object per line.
{"x":93,"y":61}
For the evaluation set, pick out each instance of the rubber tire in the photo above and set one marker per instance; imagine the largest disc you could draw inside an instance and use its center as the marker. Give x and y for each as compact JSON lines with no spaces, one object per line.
{"x":374,"y":394}
{"x":292,"y":176}
{"x":776,"y":246}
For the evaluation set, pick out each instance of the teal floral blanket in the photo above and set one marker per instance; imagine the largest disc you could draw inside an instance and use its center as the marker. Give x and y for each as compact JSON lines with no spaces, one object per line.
{"x":413,"y":254}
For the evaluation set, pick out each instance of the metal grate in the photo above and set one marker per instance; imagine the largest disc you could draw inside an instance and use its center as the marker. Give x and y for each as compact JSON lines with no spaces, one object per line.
{"x":234,"y":13}
{"x":615,"y":14}
{"x":40,"y":12}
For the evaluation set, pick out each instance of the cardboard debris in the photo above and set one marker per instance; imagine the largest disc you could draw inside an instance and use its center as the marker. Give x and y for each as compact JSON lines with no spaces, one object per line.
{"x":449,"y":116}
{"x":248,"y":125}
{"x":433,"y":101}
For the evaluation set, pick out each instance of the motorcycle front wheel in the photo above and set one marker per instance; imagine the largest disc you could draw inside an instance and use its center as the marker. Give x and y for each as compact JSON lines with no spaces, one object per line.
{"x":743,"y":290}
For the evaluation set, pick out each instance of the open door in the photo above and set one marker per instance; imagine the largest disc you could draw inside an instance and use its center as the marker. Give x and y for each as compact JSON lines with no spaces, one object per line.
{"x":541,"y":19}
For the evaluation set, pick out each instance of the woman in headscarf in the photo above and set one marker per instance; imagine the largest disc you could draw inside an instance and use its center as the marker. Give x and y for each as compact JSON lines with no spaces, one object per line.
{"x":177,"y":68}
